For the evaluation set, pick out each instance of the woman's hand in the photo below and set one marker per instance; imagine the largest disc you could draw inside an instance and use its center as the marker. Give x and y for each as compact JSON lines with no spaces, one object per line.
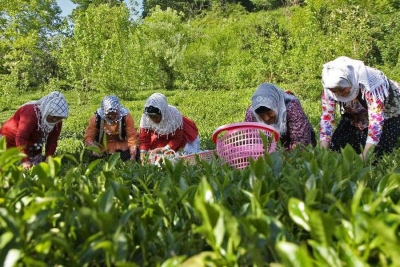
{"x":324,"y":144}
{"x":26,"y":165}
{"x":157,"y":150}
{"x":364,"y":154}
{"x":161,"y":149}
{"x":97,"y":155}
{"x":143,"y":154}
{"x":132,"y":151}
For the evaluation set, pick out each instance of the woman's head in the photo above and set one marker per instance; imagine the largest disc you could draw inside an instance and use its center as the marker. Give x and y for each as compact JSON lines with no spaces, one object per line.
{"x":54,"y":105}
{"x":267,"y":115}
{"x":268,"y":104}
{"x":153,"y":113}
{"x":156,"y":106}
{"x":339,"y":79}
{"x":159,"y":116}
{"x":53,"y":108}
{"x":111,"y":109}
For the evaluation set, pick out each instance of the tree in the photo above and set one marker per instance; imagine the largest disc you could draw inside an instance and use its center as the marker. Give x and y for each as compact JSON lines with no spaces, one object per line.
{"x":189,"y":7}
{"x":27,"y":31}
{"x":95,"y":56}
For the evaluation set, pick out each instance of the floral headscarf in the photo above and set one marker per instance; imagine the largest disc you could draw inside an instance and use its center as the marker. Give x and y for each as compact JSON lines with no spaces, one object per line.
{"x":347,"y":72}
{"x":171,"y":117}
{"x":53,"y":104}
{"x":270,"y":96}
{"x":111,"y":104}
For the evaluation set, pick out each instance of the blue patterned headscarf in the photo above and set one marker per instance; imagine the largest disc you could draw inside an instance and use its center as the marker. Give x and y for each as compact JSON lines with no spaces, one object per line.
{"x":111,"y":104}
{"x":271,"y":96}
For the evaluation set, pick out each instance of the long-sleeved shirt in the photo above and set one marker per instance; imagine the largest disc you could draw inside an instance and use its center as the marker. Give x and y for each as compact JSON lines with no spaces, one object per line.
{"x":22,"y":130}
{"x":114,"y":143}
{"x":149,"y":139}
{"x":371,"y":117}
{"x":299,"y":129}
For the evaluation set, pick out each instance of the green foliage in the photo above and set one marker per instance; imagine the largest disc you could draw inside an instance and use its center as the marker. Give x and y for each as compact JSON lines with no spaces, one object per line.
{"x":303,"y":208}
{"x":161,"y":40}
{"x":266,"y":4}
{"x":26,"y":43}
{"x":95,"y":56}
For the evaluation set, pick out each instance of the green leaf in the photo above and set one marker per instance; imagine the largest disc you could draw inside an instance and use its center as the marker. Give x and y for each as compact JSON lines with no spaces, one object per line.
{"x":258,"y":167}
{"x":12,"y":257}
{"x":121,"y":242}
{"x":293,"y":255}
{"x":326,"y":255}
{"x":322,"y":227}
{"x":91,"y":166}
{"x":389,"y":183}
{"x":112,"y":161}
{"x":42,"y":170}
{"x":106,"y":200}
{"x":202,"y":259}
{"x":299,"y":213}
{"x":54,"y":165}
{"x":355,"y":202}
{"x":103,"y":245}
{"x":10,"y":157}
{"x":174,"y":261}
{"x":5,"y":238}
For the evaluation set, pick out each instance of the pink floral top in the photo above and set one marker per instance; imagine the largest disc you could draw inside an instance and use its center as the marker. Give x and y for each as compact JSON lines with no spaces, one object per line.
{"x":371,"y":118}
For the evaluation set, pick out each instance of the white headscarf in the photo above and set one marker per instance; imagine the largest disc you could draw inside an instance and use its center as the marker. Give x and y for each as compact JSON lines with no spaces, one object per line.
{"x":111,"y":104}
{"x":346,"y":72}
{"x":53,"y":104}
{"x":171,"y":117}
{"x":270,"y":96}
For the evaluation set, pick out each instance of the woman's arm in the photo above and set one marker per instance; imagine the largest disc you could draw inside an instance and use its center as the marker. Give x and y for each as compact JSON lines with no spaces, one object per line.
{"x":91,"y":131}
{"x":298,"y":126}
{"x":52,"y":139}
{"x":144,"y":139}
{"x":376,"y":120}
{"x":249,"y":117}
{"x":27,"y":127}
{"x":131,"y":135}
{"x":176,"y":139}
{"x":327,"y":119}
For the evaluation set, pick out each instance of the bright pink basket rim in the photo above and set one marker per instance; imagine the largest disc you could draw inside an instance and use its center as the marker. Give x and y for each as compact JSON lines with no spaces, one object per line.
{"x":245,"y":125}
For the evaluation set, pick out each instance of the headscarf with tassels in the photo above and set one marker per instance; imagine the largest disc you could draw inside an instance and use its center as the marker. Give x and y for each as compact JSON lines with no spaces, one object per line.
{"x":346,"y":72}
{"x":171,"y":117}
{"x":53,"y":104}
{"x":270,"y":96}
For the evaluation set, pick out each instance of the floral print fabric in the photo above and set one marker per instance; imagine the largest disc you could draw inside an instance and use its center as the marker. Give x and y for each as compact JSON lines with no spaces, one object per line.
{"x":299,"y":129}
{"x":372,"y":116}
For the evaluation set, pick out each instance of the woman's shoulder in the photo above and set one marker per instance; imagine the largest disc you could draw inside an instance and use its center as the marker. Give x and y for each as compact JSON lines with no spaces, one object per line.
{"x":27,"y":110}
{"x":292,"y":102}
{"x":293,"y":105}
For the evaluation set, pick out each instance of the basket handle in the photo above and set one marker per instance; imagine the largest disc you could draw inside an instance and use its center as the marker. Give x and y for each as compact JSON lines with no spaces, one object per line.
{"x":244,"y":125}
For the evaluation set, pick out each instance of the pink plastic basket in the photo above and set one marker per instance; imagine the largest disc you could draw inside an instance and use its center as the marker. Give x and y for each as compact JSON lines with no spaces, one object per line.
{"x":237,"y":142}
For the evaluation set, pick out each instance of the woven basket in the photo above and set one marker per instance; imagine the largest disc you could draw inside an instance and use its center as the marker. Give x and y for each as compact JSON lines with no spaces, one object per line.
{"x":238,"y":142}
{"x":205,"y":155}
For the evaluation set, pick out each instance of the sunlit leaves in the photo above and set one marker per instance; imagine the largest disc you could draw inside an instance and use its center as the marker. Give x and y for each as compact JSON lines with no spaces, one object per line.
{"x":299,"y":213}
{"x":290,"y":209}
{"x":294,"y":255}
